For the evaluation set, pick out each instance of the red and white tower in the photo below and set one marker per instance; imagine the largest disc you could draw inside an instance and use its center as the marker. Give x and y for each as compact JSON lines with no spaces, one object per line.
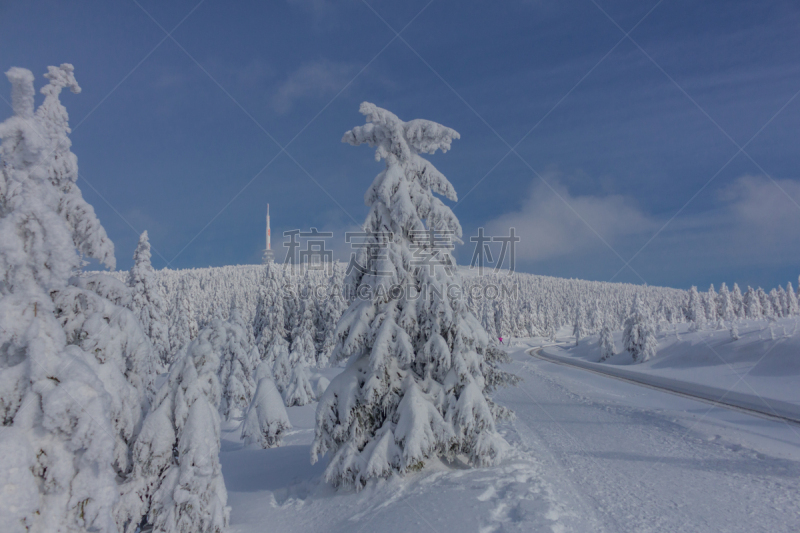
{"x":268,"y":256}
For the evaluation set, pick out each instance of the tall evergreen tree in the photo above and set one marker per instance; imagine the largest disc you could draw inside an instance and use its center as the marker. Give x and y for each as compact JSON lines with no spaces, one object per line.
{"x":639,"y":336}
{"x":419,"y":367}
{"x":607,"y":348}
{"x":70,"y":397}
{"x":146,"y":301}
{"x":183,"y":326}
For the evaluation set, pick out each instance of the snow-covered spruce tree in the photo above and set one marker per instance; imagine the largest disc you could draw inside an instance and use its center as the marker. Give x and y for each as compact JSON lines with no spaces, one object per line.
{"x":752,"y":305}
{"x":734,"y":330}
{"x":695,"y":310}
{"x":332,"y":309}
{"x":579,"y":325}
{"x":710,"y":304}
{"x":639,"y":336}
{"x":269,"y":322}
{"x":725,"y":304}
{"x":299,"y":390}
{"x":176,"y":484}
{"x":182,"y":323}
{"x":66,"y":412}
{"x":237,"y":363}
{"x":303,"y":349}
{"x":792,"y":307}
{"x":418,"y":374}
{"x":607,"y":348}
{"x":266,"y":420}
{"x":767,"y":311}
{"x":282,"y":369}
{"x":737,"y":300}
{"x":146,"y":301}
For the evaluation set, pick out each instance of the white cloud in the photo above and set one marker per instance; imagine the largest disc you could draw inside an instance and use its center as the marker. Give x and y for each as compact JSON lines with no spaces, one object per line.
{"x":314,"y":79}
{"x":553,"y":223}
{"x":753,"y":221}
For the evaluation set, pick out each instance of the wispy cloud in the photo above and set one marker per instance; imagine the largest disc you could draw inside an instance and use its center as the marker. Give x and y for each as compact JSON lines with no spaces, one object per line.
{"x":310,"y":80}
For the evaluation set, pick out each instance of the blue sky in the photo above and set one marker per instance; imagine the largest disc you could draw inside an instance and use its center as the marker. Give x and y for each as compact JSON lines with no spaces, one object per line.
{"x":625,"y":148}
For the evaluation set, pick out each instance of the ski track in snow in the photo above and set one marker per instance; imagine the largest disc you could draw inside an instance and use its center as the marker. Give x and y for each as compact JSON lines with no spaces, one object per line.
{"x":588,"y":453}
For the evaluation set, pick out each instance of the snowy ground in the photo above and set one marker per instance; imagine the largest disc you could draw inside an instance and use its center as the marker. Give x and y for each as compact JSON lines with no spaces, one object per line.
{"x":590,"y":453}
{"x":760,"y":370}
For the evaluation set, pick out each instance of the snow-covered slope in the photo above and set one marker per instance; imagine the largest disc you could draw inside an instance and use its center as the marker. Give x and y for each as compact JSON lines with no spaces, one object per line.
{"x":760,"y":370}
{"x":590,"y":454}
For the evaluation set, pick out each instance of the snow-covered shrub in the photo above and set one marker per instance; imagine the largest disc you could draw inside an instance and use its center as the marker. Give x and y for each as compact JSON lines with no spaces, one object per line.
{"x":266,"y":420}
{"x":415,"y":385}
{"x":639,"y":336}
{"x":146,"y":301}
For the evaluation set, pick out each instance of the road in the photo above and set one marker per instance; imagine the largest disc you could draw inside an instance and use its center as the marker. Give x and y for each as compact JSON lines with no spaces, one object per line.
{"x":747,"y":403}
{"x":628,"y":458}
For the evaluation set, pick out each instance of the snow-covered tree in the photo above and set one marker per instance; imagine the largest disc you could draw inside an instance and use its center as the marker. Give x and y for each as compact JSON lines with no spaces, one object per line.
{"x":269,"y":322}
{"x":299,"y":390}
{"x":734,"y":330}
{"x":695,"y":310}
{"x":331,"y":311}
{"x":176,"y":484}
{"x":607,"y":348}
{"x":146,"y":301}
{"x":725,"y":307}
{"x":738,"y":301}
{"x":282,"y":369}
{"x":182,"y":323}
{"x":579,"y":325}
{"x":415,"y":384}
{"x":303,"y":347}
{"x":710,"y":304}
{"x":639,"y":336}
{"x":266,"y":420}
{"x":238,"y":362}
{"x":792,"y":307}
{"x":752,"y":304}
{"x":69,"y":400}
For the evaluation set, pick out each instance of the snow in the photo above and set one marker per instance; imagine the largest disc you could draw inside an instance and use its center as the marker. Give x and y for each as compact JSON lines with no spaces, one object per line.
{"x":755,"y":371}
{"x":588,"y":453}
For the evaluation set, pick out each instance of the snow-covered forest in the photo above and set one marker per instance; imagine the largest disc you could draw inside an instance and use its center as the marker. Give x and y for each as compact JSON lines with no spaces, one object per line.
{"x":509,"y":304}
{"x":116,"y":387}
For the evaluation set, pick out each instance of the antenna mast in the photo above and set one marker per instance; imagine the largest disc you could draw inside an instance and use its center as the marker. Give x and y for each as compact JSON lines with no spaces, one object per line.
{"x":268,"y":256}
